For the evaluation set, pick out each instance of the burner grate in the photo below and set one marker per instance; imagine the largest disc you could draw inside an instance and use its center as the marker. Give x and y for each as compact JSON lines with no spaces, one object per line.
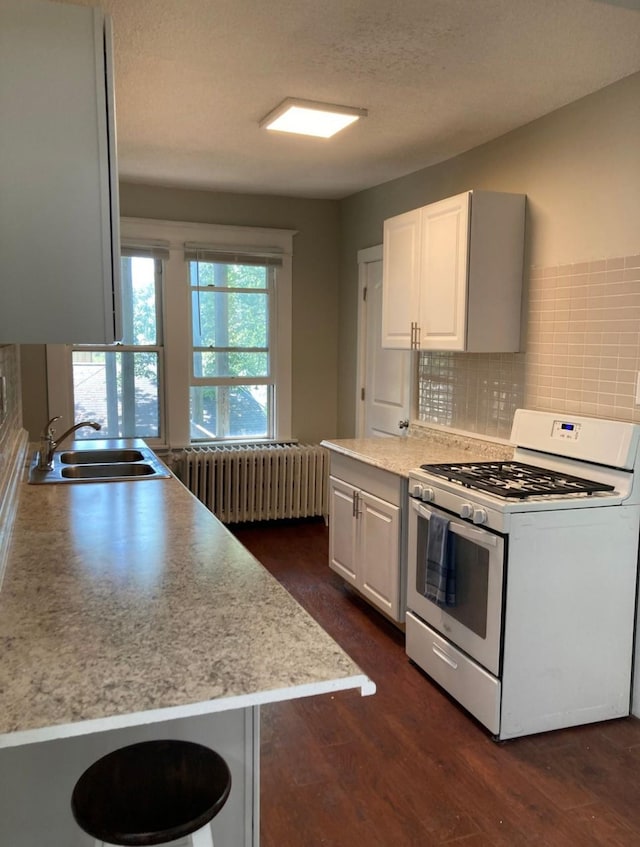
{"x":514,"y":479}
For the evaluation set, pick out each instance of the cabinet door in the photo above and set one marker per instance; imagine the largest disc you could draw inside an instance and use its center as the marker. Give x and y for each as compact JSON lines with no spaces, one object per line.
{"x":379,"y":552}
{"x":400,"y":282}
{"x":342,"y":530}
{"x":443,"y":273}
{"x":59,"y":250}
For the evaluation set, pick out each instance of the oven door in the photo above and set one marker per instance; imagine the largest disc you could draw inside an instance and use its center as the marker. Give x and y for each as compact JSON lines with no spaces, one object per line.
{"x":474,"y":623}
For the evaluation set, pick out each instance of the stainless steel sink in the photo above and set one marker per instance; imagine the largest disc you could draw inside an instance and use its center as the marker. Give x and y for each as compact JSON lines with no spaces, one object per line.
{"x":112,"y":462}
{"x":120,"y":470}
{"x":99,"y":457}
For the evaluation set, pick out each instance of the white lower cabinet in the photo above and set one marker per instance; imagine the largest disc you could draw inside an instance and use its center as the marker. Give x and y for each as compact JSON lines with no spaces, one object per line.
{"x":365,"y":533}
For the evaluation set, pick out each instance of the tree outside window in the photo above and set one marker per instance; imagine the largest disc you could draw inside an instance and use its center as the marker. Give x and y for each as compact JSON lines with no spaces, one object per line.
{"x":232,"y":383}
{"x":118,"y":385}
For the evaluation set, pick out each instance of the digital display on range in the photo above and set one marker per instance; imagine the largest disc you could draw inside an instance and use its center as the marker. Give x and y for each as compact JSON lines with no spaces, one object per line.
{"x":566,"y":430}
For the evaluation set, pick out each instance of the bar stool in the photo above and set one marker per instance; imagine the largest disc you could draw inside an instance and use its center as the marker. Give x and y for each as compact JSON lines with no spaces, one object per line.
{"x":152,"y":793}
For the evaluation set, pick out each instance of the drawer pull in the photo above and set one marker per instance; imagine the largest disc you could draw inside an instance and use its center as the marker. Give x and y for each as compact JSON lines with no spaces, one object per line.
{"x":442,"y":655}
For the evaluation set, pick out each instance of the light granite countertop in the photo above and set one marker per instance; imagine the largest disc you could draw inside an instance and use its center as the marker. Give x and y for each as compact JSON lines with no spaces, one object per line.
{"x":420,"y":447}
{"x":128,"y":602}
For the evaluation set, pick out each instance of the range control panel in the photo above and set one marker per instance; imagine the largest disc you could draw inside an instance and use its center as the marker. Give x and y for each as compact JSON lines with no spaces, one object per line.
{"x":594,"y":440}
{"x":566,"y":430}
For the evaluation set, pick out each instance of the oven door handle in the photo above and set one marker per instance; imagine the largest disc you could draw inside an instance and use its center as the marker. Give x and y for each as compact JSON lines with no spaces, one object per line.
{"x":487,"y":539}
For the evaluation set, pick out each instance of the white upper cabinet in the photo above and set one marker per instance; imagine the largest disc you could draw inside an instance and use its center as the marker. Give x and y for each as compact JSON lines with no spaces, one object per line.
{"x":444,"y":261}
{"x":59,"y":240}
{"x":452,"y":275}
{"x":400,"y":279}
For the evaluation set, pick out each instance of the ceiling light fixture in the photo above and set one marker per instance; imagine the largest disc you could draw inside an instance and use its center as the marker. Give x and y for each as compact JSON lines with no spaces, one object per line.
{"x":306,"y":117}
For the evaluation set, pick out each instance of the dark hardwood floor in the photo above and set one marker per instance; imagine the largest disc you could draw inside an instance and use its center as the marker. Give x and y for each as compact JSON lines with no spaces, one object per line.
{"x":407,"y":766}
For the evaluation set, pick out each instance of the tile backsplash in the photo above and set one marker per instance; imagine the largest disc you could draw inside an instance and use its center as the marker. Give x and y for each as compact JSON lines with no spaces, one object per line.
{"x":581,"y":339}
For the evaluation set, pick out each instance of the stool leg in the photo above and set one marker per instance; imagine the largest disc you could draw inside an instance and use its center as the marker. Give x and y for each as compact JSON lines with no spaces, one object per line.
{"x":203,"y":837}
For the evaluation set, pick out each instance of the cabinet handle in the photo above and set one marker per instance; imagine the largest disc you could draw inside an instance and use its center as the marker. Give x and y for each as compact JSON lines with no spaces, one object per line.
{"x":355,"y":504}
{"x":415,"y":336}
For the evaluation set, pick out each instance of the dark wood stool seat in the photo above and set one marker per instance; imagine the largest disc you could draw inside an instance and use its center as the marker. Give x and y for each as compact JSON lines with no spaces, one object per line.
{"x":151,"y":792}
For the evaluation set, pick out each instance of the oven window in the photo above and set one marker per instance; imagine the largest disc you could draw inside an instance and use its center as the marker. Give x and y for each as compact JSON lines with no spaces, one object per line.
{"x":472,"y":579}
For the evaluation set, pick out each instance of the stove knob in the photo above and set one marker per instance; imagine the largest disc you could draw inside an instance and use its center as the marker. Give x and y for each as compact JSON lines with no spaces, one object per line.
{"x":416,"y":490}
{"x":466,"y":510}
{"x":479,"y":516}
{"x":427,"y":495}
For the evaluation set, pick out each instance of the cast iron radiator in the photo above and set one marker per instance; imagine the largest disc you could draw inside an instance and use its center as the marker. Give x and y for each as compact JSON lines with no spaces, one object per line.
{"x":258,"y":482}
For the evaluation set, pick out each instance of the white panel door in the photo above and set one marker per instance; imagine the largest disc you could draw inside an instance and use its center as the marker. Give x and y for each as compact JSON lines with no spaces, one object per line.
{"x":401,"y":279}
{"x":379,"y":552}
{"x":342,"y":530}
{"x":444,"y":267}
{"x":386,"y":374}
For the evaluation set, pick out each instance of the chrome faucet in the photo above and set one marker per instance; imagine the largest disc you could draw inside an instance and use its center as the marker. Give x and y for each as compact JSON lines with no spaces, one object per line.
{"x":48,"y":445}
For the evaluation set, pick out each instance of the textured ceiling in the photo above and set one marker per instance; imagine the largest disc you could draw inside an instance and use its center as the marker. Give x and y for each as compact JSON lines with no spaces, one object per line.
{"x":438,"y":77}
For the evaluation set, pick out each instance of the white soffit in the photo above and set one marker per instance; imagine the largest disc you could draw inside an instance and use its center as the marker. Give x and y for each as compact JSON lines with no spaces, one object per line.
{"x":438,"y":77}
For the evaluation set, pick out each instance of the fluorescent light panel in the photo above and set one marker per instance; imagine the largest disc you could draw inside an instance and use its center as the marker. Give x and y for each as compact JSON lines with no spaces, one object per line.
{"x":306,"y":117}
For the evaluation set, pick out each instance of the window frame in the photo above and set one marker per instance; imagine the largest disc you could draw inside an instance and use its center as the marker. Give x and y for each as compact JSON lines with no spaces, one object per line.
{"x":175,"y":320}
{"x":226,"y":381}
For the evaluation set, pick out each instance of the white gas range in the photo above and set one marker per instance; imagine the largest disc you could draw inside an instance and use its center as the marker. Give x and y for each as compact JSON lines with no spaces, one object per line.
{"x":522,"y":575}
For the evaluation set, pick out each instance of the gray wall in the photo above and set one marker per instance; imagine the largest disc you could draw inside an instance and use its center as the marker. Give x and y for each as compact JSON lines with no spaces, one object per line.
{"x":578,"y":166}
{"x":315,"y":292}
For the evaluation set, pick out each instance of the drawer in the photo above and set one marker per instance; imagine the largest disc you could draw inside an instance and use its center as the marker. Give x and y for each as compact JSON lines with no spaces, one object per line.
{"x":472,"y":686}
{"x":377,"y":481}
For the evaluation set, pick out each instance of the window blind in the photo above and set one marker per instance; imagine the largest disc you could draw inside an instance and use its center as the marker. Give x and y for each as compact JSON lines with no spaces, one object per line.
{"x":208,"y":253}
{"x":144,"y":249}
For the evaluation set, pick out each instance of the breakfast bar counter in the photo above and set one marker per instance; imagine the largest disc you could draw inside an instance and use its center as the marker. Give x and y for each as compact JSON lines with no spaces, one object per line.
{"x":127,"y":610}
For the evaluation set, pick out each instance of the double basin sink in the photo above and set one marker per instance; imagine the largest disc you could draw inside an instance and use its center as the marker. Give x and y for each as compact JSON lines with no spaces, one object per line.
{"x":108,"y":460}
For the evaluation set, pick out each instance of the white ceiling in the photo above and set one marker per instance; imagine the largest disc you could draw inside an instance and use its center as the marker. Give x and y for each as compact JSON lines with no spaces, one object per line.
{"x":438,"y":77}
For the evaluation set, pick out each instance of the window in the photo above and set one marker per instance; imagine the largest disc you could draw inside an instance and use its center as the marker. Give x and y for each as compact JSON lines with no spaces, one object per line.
{"x":232,"y":383}
{"x":206,"y":352}
{"x":120,"y":385}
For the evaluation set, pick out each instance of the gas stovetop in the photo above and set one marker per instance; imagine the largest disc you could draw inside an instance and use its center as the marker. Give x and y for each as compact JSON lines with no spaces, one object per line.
{"x":514,"y":479}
